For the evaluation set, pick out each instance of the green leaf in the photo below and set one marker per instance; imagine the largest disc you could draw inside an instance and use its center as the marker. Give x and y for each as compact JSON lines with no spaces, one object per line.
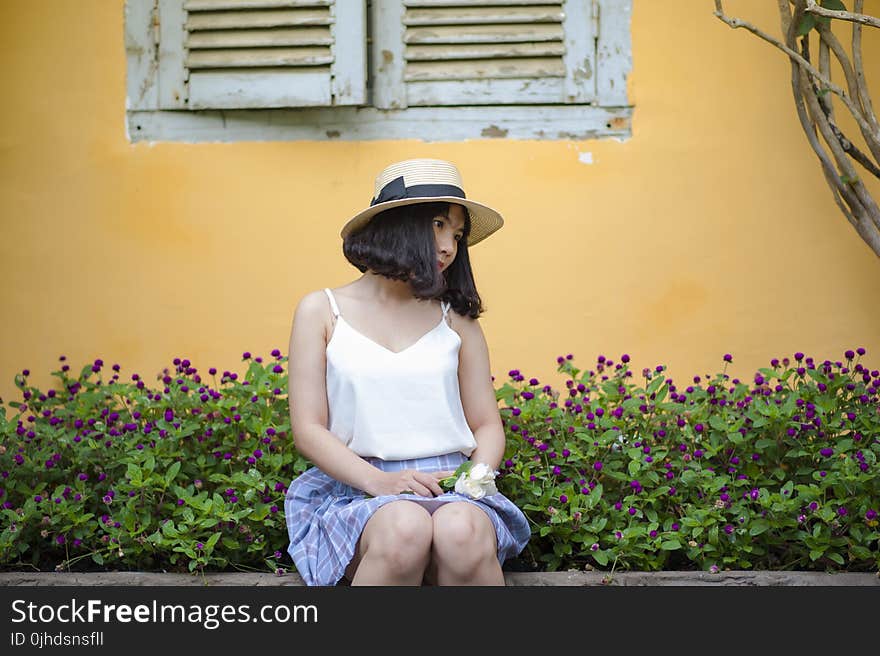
{"x":670,"y":545}
{"x":836,"y":557}
{"x":172,"y":472}
{"x":816,"y":554}
{"x":134,"y":474}
{"x":718,"y":423}
{"x":835,"y":5}
{"x":759,"y":526}
{"x":601,"y":557}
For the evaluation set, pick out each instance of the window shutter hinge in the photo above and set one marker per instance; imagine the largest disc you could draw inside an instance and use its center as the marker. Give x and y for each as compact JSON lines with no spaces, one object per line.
{"x":594,"y":11}
{"x":155,"y":23}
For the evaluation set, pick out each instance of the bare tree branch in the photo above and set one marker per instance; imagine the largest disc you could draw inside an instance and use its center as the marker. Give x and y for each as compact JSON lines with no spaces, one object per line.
{"x":860,"y":18}
{"x":815,"y":111}
{"x":736,"y":23}
{"x":864,"y":96}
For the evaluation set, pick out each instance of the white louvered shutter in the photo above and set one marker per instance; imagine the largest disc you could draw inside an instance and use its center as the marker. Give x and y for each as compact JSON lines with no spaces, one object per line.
{"x":464,"y":52}
{"x":244,"y":54}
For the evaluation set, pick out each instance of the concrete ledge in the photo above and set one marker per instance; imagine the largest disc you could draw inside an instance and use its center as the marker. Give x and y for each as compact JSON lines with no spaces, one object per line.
{"x":541,"y":579}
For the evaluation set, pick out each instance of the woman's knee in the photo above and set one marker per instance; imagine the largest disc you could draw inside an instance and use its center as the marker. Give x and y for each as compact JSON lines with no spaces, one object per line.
{"x":400,"y":533}
{"x":463,"y":533}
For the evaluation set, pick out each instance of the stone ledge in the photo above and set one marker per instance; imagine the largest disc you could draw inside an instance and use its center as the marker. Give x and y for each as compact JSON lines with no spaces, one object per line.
{"x":540,"y":579}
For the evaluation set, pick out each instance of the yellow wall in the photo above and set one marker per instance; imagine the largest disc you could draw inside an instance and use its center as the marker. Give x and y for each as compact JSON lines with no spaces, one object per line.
{"x":710,"y":231}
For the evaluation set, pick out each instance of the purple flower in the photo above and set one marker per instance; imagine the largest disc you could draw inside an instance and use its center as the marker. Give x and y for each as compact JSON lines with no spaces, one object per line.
{"x":827,"y":452}
{"x":842,"y":511}
{"x":169,"y":415}
{"x":597,"y":466}
{"x":871,"y":514}
{"x":631,"y":511}
{"x":728,"y":529}
{"x":563,"y":498}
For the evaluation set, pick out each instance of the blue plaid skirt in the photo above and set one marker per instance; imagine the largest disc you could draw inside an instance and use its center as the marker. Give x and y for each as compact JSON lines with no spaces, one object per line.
{"x":325,"y":518}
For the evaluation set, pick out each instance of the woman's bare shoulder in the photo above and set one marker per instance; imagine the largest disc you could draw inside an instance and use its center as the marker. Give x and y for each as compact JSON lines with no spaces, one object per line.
{"x":465,"y":325}
{"x":312,"y":304}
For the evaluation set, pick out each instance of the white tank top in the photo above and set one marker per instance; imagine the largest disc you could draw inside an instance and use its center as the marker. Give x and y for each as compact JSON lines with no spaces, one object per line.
{"x":396,"y":405}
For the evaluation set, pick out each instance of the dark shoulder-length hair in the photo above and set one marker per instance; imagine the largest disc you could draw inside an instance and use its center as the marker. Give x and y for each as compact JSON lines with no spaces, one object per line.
{"x":399,"y":244}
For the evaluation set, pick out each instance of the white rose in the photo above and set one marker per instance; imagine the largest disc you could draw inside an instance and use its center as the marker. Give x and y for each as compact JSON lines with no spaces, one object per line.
{"x":489,"y":488}
{"x":481,"y":473}
{"x":469,"y":488}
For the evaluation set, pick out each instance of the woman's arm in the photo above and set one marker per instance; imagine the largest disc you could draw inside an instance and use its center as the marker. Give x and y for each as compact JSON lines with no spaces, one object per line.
{"x":478,"y":393}
{"x":307,"y":401}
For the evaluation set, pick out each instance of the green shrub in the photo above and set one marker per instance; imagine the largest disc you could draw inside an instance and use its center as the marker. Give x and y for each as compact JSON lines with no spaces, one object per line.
{"x":191,"y":475}
{"x":188,"y":476}
{"x":778,"y":474}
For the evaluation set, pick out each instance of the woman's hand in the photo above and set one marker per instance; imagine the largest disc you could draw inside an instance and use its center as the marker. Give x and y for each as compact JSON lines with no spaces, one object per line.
{"x":425,"y":484}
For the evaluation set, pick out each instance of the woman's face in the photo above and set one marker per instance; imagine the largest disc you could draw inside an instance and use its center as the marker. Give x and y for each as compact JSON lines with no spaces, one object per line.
{"x":448,"y":230}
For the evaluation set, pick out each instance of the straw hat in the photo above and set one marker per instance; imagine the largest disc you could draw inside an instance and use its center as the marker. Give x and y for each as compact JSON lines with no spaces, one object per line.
{"x":424,"y":181}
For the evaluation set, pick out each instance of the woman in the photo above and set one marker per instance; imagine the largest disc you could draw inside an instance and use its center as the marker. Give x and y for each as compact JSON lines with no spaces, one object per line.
{"x":390,"y":392}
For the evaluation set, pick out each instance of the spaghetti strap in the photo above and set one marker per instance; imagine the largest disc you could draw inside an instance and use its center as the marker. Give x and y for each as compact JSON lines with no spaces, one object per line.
{"x":332,"y":302}
{"x":445,"y":306}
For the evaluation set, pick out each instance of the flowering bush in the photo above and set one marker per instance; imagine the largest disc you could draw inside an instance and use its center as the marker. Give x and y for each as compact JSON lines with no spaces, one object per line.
{"x":190,"y":476}
{"x":778,"y":473}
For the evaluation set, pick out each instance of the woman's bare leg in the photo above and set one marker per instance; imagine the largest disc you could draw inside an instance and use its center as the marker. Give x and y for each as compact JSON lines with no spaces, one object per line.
{"x":464,"y":550}
{"x":394,"y":547}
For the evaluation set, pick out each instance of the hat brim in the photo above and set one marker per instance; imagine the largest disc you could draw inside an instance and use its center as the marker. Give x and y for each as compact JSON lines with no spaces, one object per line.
{"x":484,"y":220}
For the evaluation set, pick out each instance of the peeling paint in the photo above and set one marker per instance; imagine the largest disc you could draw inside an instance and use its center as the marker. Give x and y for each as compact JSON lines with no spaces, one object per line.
{"x":332,"y":134}
{"x":585,"y":158}
{"x":494,"y":131}
{"x":618,"y":123}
